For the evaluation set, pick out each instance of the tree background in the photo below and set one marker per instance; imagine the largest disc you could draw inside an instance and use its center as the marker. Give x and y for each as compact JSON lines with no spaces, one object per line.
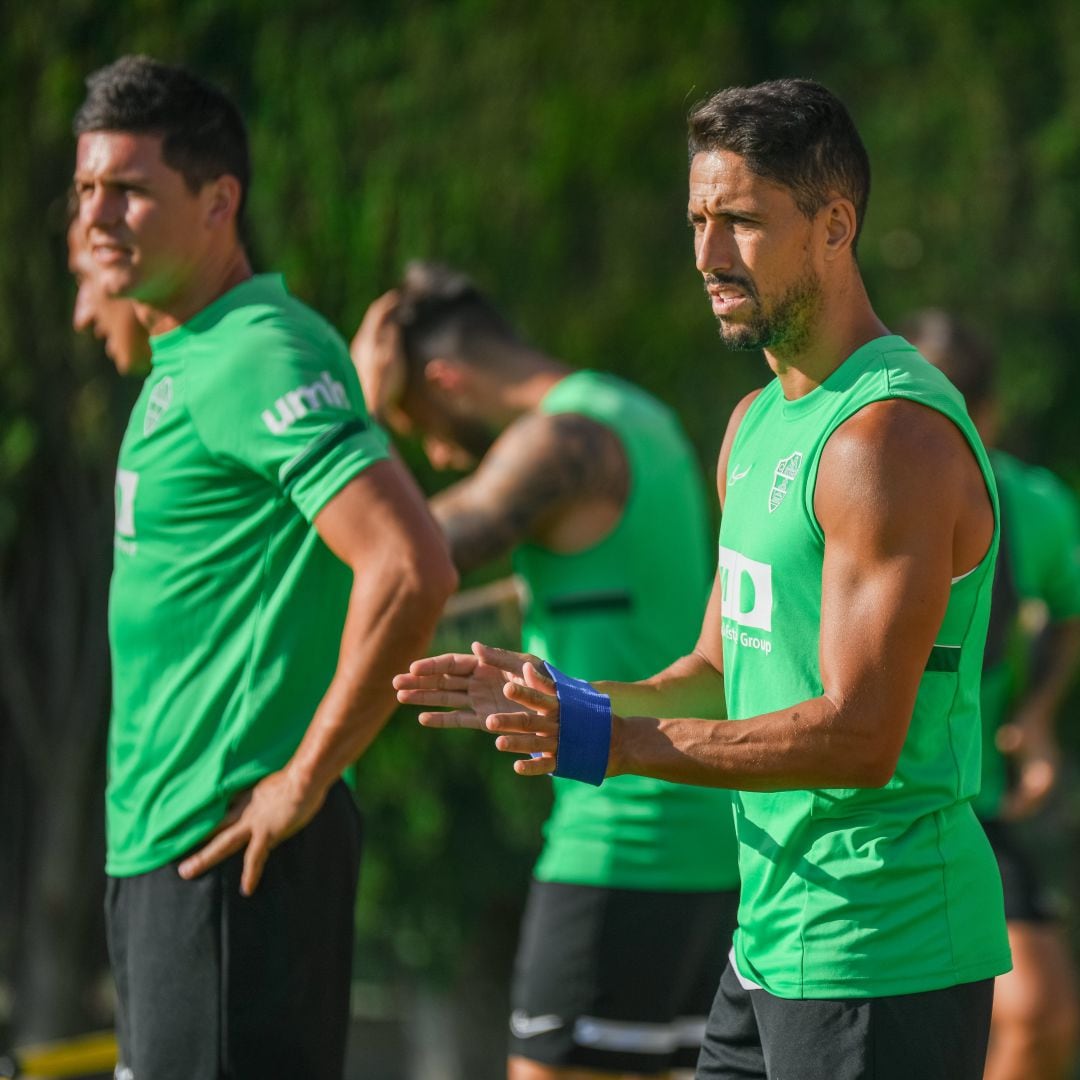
{"x":541,"y":148}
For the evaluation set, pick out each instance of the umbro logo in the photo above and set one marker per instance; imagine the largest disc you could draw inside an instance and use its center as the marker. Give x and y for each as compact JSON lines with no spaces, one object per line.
{"x":294,"y":405}
{"x":736,"y":475}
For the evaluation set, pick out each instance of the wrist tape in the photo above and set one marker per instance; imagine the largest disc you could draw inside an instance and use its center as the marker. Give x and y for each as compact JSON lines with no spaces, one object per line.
{"x":584,"y":729}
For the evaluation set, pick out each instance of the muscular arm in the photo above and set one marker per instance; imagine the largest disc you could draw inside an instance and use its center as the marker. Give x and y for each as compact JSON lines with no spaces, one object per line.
{"x":893,"y":542}
{"x":539,"y":467}
{"x":378,"y":525}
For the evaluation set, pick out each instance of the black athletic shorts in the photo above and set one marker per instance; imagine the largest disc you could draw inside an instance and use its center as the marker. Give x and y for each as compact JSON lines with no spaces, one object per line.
{"x":1025,"y":898}
{"x":937,"y":1035}
{"x":617,"y":979}
{"x":215,"y":985}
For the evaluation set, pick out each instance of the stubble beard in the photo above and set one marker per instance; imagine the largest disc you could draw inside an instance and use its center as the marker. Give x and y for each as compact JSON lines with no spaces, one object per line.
{"x":784,"y":327}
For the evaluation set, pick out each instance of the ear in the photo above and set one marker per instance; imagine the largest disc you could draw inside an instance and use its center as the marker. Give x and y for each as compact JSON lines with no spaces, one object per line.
{"x":840,"y":223}
{"x":449,"y":376}
{"x":222,"y":200}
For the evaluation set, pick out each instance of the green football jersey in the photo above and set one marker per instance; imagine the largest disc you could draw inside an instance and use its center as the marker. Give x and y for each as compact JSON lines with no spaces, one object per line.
{"x":225,"y":609}
{"x":1041,"y":556}
{"x":625,"y":609}
{"x":852,"y":892}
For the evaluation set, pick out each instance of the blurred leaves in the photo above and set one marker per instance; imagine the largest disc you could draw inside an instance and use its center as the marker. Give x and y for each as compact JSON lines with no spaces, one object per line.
{"x":541,"y":148}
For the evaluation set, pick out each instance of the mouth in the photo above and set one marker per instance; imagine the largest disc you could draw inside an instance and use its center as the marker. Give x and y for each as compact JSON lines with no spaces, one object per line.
{"x":727,"y":300}
{"x":108,"y":253}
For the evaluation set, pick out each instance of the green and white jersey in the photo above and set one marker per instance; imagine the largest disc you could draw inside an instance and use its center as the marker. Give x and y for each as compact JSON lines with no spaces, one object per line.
{"x":852,"y":892}
{"x":1040,"y":557}
{"x":226,"y":609}
{"x":625,"y":609}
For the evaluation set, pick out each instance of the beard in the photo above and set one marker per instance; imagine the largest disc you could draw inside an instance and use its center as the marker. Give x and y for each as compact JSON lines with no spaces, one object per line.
{"x":784,"y":325}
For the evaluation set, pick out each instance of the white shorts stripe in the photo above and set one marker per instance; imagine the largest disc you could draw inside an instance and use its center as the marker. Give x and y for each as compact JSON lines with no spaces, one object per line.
{"x":639,"y":1038}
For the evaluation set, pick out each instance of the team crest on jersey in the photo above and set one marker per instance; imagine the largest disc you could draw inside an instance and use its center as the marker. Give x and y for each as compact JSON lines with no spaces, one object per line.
{"x":160,"y":400}
{"x":786,"y":471}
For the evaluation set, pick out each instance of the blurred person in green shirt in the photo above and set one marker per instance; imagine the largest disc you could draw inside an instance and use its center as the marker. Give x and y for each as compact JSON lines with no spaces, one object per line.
{"x":1024,"y":685}
{"x":272,"y":568}
{"x":592,"y":487}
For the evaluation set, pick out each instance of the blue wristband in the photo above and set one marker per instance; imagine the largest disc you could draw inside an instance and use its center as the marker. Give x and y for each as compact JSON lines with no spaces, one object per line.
{"x":584,"y":729}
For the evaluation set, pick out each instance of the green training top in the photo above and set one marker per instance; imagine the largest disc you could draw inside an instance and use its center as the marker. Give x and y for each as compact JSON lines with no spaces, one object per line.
{"x":852,"y":893}
{"x":625,"y":609}
{"x":226,"y":609}
{"x":1040,"y":555}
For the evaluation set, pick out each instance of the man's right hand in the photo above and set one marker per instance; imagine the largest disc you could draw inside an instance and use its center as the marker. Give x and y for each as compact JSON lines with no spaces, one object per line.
{"x":470,"y":685}
{"x":378,"y":358}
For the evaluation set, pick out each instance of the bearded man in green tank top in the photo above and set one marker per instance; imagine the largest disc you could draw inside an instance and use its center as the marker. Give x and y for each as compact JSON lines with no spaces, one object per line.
{"x":581,"y":477}
{"x":846,"y":629}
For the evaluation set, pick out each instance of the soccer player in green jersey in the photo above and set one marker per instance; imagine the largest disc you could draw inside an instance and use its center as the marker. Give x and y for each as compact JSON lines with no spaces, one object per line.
{"x":1033,"y":1029}
{"x":581,"y":477}
{"x":846,"y":629}
{"x":272,"y":568}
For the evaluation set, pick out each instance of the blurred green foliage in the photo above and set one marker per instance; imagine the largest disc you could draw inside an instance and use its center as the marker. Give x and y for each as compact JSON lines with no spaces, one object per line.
{"x":541,"y":147}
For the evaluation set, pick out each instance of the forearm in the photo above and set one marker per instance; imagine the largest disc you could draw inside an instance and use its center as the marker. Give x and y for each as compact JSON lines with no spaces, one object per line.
{"x":390,"y":620}
{"x":1055,"y":670}
{"x":810,"y":745}
{"x":691,"y":686}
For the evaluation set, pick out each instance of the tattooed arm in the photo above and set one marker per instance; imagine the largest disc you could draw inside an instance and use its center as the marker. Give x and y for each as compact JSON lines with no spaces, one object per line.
{"x":542,"y":469}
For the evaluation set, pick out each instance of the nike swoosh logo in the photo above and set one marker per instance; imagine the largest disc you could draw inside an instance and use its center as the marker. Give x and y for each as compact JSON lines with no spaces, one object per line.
{"x":525,"y":1026}
{"x":736,"y":476}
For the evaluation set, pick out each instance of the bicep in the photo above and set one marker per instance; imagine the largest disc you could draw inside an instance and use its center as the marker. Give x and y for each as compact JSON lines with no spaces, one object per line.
{"x":886,"y":574}
{"x":380,"y":514}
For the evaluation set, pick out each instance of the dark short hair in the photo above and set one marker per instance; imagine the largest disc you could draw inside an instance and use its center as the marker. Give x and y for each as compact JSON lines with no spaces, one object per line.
{"x":957,"y":348}
{"x":203,"y":135}
{"x":793,"y":132}
{"x":441,"y":312}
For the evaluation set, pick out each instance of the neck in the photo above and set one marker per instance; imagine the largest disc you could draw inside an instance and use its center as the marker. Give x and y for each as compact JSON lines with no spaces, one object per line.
{"x":529,"y":377}
{"x":844,"y":323}
{"x":214,"y":278}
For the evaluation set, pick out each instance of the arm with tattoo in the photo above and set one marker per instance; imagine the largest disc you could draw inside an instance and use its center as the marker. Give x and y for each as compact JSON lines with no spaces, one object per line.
{"x":540,"y":467}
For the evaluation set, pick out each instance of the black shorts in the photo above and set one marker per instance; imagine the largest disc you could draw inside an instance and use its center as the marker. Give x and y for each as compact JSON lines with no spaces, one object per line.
{"x":214,"y":984}
{"x":1025,"y":898}
{"x":617,"y":979}
{"x":937,"y":1035}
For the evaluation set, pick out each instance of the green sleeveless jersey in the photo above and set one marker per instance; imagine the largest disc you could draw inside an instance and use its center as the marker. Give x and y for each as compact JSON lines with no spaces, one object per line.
{"x":226,"y":608}
{"x":624,"y":609}
{"x":852,"y":892}
{"x":1039,"y":562}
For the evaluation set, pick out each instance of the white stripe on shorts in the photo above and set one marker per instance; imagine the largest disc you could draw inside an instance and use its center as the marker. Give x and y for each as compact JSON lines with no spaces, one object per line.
{"x":639,"y":1038}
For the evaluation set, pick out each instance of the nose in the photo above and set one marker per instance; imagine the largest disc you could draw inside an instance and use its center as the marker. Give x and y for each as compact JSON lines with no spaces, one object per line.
{"x":99,"y":206}
{"x":713,"y":247}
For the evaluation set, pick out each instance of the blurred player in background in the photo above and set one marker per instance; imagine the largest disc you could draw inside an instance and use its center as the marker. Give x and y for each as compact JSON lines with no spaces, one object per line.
{"x":1034,"y":1028}
{"x":272,"y":569}
{"x":110,"y":319}
{"x":592,"y":487}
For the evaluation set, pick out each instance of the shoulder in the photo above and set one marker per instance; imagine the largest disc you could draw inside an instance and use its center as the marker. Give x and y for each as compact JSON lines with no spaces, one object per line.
{"x":561,"y":436}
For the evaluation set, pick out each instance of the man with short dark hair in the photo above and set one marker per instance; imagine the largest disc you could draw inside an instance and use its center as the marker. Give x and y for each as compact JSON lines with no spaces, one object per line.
{"x":580,"y":477}
{"x":272,"y":569}
{"x":847,"y":622}
{"x":1033,"y":1030}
